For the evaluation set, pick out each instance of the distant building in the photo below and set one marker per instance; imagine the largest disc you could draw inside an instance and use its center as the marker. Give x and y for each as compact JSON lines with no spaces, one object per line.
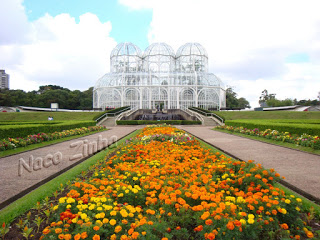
{"x":4,"y":79}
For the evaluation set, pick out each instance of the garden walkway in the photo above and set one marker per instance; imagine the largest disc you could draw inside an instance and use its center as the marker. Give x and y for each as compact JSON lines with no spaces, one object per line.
{"x":301,"y":170}
{"x":23,"y":172}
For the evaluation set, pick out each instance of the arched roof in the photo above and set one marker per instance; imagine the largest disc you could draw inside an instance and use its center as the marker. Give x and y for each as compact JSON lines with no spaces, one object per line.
{"x":190,"y":49}
{"x":126,"y":49}
{"x":156,"y":49}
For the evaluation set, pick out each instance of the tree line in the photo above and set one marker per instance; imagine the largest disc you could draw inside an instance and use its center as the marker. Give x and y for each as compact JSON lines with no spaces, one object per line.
{"x":46,"y":95}
{"x":269,"y":100}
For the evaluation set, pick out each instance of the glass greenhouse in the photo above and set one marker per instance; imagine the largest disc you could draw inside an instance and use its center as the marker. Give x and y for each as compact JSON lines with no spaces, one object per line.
{"x":159,"y":78}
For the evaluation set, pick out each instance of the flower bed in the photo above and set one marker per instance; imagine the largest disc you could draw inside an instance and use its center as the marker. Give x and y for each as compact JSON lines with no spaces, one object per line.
{"x":164,"y":185}
{"x":304,"y":140}
{"x":12,"y":143}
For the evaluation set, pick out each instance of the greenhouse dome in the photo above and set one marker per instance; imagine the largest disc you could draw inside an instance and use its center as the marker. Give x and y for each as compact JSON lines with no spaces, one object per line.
{"x":157,"y":77}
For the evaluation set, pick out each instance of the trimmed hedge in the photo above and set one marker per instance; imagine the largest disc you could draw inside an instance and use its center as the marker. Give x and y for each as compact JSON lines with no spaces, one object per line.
{"x":108,"y":111}
{"x":198,"y":110}
{"x":23,"y":130}
{"x":293,"y":128}
{"x":145,"y":122}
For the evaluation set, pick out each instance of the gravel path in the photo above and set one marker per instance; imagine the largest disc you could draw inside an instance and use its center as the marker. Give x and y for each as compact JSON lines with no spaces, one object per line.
{"x":24,"y":171}
{"x":300,"y":169}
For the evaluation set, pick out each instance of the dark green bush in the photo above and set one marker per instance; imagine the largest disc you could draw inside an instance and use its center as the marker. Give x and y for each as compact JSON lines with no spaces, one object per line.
{"x":293,"y":128}
{"x":108,"y":111}
{"x":23,"y":130}
{"x":145,"y":122}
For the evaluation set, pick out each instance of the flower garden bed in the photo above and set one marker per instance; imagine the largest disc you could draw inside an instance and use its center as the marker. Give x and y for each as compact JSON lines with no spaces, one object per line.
{"x":304,"y":140}
{"x":12,"y":143}
{"x":163,"y":185}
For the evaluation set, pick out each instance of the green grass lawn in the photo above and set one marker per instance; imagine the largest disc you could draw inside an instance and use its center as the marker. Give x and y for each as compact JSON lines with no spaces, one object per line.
{"x":43,"y":116}
{"x":232,"y":115}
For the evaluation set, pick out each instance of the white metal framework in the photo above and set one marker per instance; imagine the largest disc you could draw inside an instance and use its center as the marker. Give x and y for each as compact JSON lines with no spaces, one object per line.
{"x":159,"y":78}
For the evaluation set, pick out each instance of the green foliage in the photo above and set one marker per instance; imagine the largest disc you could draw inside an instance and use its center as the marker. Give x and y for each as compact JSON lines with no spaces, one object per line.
{"x":232,"y":115}
{"x":115,"y":110}
{"x":233,"y":102}
{"x":294,"y":127}
{"x":145,"y":122}
{"x":23,"y":130}
{"x":43,"y":116}
{"x":279,"y":103}
{"x":45,"y":96}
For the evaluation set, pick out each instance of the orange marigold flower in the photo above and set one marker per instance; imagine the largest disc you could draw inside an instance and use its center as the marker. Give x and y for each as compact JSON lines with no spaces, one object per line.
{"x":208,"y":222}
{"x":96,"y":228}
{"x":117,"y":229}
{"x":96,"y":237}
{"x":205,"y":215}
{"x":58,"y":230}
{"x":46,"y":231}
{"x":135,"y":235}
{"x":67,"y":236}
{"x":77,"y":237}
{"x":309,"y":234}
{"x":84,"y":235}
{"x":230,"y":225}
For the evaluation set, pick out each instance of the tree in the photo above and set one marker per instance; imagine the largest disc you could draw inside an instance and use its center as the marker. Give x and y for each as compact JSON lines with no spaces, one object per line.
{"x":243,"y":103}
{"x":46,"y":95}
{"x":265,"y":96}
{"x":233,"y":102}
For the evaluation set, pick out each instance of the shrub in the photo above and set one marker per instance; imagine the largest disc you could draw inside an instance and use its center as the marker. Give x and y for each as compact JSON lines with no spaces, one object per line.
{"x":23,"y":130}
{"x":294,"y":128}
{"x":108,"y":111}
{"x":145,"y":122}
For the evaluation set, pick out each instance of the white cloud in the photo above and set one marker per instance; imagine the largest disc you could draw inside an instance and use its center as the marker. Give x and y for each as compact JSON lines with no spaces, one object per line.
{"x":247,"y":41}
{"x":57,"y":50}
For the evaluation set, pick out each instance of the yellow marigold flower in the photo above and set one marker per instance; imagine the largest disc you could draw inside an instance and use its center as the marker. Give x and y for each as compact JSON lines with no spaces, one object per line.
{"x":287,"y":201}
{"x":299,"y":200}
{"x":83,"y":216}
{"x":113,"y":213}
{"x":112,"y":222}
{"x":124,"y":213}
{"x":70,"y":200}
{"x":251,"y":216}
{"x":250,"y":220}
{"x":105,"y":220}
{"x":243,"y":221}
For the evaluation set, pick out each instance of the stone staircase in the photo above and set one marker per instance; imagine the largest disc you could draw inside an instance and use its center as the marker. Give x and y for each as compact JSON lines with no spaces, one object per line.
{"x":209,"y":121}
{"x":108,"y":122}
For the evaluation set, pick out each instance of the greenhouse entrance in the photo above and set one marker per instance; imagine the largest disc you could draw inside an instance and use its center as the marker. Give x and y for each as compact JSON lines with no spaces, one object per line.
{"x":159,"y":105}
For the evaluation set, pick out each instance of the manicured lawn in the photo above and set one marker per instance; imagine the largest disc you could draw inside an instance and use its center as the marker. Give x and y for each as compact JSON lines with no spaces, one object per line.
{"x":43,"y":116}
{"x":233,"y":115}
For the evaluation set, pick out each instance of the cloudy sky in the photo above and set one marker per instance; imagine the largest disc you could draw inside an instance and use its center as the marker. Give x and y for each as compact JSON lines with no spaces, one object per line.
{"x":252,"y":44}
